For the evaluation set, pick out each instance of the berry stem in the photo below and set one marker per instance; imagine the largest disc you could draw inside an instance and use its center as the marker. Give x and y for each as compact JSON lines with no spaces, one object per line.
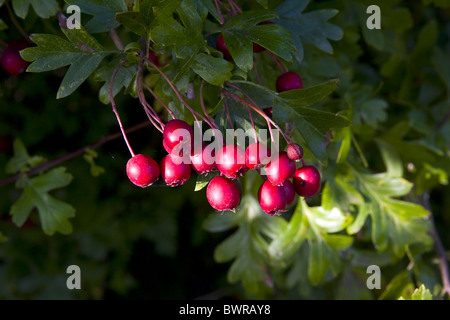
{"x":303,"y":162}
{"x":16,"y":23}
{"x":113,"y":104}
{"x":159,"y":100}
{"x":255,"y":68}
{"x":116,"y":39}
{"x":177,"y":93}
{"x":282,"y":68}
{"x":236,"y":9}
{"x":225,"y":104}
{"x":151,"y":113}
{"x":222,"y":21}
{"x":252,"y":104}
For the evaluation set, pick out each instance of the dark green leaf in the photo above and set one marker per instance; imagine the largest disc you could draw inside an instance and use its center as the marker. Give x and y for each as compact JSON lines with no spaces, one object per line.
{"x":213,"y":70}
{"x":103,"y":12}
{"x":311,"y":27}
{"x":43,"y":8}
{"x":53,"y":213}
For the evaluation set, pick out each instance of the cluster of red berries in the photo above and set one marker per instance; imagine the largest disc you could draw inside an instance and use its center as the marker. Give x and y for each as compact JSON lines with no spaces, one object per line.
{"x":283,"y":179}
{"x":11,"y":61}
{"x":232,"y":161}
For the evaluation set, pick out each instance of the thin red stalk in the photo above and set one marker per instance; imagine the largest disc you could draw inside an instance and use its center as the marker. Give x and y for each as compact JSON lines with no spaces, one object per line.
{"x":225,"y":104}
{"x":177,"y":93}
{"x":16,"y":23}
{"x":152,"y":115}
{"x":3,"y":43}
{"x":235,"y":6}
{"x":255,"y":68}
{"x":51,"y":163}
{"x":253,"y":124}
{"x":254,"y":106}
{"x":113,"y":104}
{"x":283,"y":69}
{"x":222,"y":21}
{"x":159,"y":100}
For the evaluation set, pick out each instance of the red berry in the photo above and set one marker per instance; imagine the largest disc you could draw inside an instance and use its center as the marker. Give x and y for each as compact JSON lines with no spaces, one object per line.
{"x":222,"y":194}
{"x":222,"y":47}
{"x":289,"y":81}
{"x":289,"y":191}
{"x":153,"y":57}
{"x":142,"y":170}
{"x":203,"y":161}
{"x":11,"y":60}
{"x":280,"y":169}
{"x":307,"y":181}
{"x":271,"y":198}
{"x":294,"y":151}
{"x":230,"y":161}
{"x":173,"y":173}
{"x":257,"y":155}
{"x":176,"y":131}
{"x":268,"y":111}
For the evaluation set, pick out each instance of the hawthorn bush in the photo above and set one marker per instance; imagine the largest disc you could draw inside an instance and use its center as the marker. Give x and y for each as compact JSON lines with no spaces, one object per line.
{"x":88,"y":134}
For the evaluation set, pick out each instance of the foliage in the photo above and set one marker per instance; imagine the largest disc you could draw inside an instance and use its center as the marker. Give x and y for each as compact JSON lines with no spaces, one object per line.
{"x":372,"y":116}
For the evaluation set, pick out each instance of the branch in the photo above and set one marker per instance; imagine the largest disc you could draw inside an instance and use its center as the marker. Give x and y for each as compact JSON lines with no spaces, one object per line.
{"x":73,"y":154}
{"x":440,"y":249}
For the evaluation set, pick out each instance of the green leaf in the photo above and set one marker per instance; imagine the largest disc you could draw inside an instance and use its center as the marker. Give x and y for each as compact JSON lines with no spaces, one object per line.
{"x":123,"y":79}
{"x":103,"y":12}
{"x":82,"y":52}
{"x":310,"y":27}
{"x":309,"y":96}
{"x":441,"y":63}
{"x":213,"y":70}
{"x":20,"y":159}
{"x":142,"y":20}
{"x":242,"y":30}
{"x":186,"y":38}
{"x":53,"y":213}
{"x":204,"y":179}
{"x":43,"y":8}
{"x":422,"y":293}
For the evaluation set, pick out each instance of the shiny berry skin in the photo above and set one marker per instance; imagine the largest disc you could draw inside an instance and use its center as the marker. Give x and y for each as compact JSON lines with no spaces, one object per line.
{"x":289,"y":191}
{"x":289,"y":81}
{"x":257,"y":155}
{"x":176,"y":131}
{"x":223,"y":194}
{"x":280,"y":169}
{"x":307,"y":181}
{"x":230,"y":161}
{"x":222,"y":47}
{"x":271,"y":198}
{"x":11,"y":60}
{"x":294,"y":151}
{"x":173,"y":173}
{"x":268,"y":111}
{"x":204,"y":160}
{"x":142,"y":170}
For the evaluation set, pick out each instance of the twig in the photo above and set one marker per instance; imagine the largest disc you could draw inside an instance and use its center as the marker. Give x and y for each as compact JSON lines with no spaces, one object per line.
{"x":73,"y":154}
{"x":16,"y":23}
{"x":440,"y":249}
{"x":443,"y":121}
{"x":222,"y":21}
{"x":113,"y":104}
{"x":116,"y":39}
